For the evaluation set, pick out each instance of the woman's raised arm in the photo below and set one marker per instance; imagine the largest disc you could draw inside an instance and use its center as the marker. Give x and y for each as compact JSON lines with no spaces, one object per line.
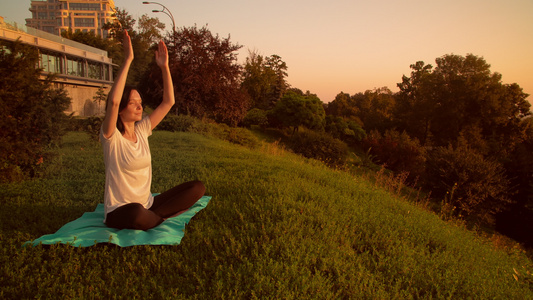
{"x":115,"y":94}
{"x":161,"y":58}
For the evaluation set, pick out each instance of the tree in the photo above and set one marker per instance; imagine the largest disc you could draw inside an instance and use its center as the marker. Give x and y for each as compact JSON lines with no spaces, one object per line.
{"x":347,"y":131}
{"x":206,"y":77}
{"x":100,"y":98}
{"x":343,"y":106}
{"x":298,"y":109}
{"x":150,"y":29}
{"x":415,"y":106}
{"x":375,"y":108}
{"x":31,"y":118}
{"x":264,"y":80}
{"x":275,"y":65}
{"x":91,"y":39}
{"x":475,"y":186}
{"x":461,"y":96}
{"x":143,"y":37}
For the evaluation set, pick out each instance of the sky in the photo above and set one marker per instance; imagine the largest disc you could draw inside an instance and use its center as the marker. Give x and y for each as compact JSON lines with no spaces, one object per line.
{"x":352,"y":46}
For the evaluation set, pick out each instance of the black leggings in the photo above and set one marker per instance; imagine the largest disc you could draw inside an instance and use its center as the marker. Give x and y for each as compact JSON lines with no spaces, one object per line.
{"x":167,"y":204}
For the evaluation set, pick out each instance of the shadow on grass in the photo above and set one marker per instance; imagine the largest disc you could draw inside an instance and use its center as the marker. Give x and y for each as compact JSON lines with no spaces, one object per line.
{"x":37,"y":219}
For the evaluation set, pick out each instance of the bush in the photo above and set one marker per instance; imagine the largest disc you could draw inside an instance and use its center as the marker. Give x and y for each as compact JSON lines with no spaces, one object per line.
{"x":90,"y":125}
{"x":472,"y":185}
{"x":177,"y":123}
{"x":239,"y":136}
{"x":397,"y":151}
{"x":31,"y":118}
{"x":185,"y":123}
{"x":257,"y":117}
{"x":346,"y":130}
{"x":320,"y":146}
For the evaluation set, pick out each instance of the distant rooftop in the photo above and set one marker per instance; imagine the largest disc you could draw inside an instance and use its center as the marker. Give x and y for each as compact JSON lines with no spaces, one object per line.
{"x":14,"y":26}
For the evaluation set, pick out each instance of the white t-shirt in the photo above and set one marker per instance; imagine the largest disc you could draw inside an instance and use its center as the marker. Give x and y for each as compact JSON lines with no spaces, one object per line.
{"x":128,"y":168}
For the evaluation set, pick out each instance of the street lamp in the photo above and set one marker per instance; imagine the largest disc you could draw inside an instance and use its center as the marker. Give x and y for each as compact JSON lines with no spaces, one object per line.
{"x":166,"y":11}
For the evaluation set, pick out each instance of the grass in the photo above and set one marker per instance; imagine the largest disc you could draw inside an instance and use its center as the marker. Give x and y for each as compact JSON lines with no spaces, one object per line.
{"x":278,"y":226}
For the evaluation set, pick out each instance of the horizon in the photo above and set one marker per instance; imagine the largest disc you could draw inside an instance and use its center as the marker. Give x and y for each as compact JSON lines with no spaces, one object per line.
{"x":350,"y":47}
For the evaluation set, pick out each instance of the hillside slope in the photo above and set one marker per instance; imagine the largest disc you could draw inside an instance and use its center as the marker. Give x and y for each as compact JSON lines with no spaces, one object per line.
{"x":278,"y":226}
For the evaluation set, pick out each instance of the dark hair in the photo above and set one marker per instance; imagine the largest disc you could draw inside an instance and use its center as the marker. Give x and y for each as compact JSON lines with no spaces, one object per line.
{"x":123,"y":103}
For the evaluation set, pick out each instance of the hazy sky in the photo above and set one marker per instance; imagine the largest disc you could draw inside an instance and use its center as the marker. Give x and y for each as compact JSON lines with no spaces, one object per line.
{"x":353,"y":46}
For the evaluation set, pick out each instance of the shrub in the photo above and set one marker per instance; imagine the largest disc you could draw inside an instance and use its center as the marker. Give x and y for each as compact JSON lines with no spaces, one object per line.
{"x":184,"y":123}
{"x":257,"y":117}
{"x":177,"y":123}
{"x":31,"y":118}
{"x":320,"y":146}
{"x":471,"y":184}
{"x":346,"y":130}
{"x":239,"y":136}
{"x":398,"y":151}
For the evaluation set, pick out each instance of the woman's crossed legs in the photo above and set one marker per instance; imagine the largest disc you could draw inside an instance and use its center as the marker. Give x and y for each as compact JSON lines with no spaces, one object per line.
{"x":167,"y":204}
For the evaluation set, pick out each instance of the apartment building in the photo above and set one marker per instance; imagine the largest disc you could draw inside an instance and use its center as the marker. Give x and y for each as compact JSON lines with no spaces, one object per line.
{"x":55,"y":16}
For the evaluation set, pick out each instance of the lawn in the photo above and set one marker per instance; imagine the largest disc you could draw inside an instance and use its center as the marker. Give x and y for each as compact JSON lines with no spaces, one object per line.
{"x":278,"y":226}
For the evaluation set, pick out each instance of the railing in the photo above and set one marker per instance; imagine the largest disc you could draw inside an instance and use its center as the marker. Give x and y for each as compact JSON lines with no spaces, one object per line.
{"x":52,"y":37}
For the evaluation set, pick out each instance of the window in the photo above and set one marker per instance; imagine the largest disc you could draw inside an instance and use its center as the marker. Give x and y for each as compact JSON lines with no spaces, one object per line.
{"x":83,"y":22}
{"x":106,"y":73}
{"x":50,"y":62}
{"x":75,"y":66}
{"x":95,"y":70}
{"x":49,"y":29}
{"x":85,"y":6}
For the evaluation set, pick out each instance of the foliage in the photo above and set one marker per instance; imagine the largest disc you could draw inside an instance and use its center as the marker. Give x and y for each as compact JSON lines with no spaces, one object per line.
{"x":460,"y":95}
{"x":184,"y":123}
{"x":345,"y":130}
{"x":516,"y":220}
{"x":277,"y":225}
{"x":397,"y":151}
{"x":320,"y":146}
{"x":473,"y":185}
{"x":206,"y":77}
{"x":343,"y":106}
{"x":297,"y":109}
{"x":31,"y":117}
{"x":264,"y":80}
{"x":100,"y":98}
{"x":375,"y":108}
{"x":255,"y":116}
{"x":143,"y":36}
{"x":178,"y":123}
{"x":89,"y":38}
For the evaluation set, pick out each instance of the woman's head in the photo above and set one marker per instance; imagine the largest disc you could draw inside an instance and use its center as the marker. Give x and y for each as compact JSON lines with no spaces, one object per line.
{"x":130,"y":108}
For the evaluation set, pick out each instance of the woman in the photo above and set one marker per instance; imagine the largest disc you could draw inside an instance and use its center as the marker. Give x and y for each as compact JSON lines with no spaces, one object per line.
{"x":124,"y":136}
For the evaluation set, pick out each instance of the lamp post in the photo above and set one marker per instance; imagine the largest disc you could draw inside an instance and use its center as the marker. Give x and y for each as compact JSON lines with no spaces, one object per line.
{"x":166,"y":11}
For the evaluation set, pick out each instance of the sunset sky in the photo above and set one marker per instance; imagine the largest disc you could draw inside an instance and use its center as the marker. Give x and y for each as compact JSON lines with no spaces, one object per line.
{"x":353,"y":46}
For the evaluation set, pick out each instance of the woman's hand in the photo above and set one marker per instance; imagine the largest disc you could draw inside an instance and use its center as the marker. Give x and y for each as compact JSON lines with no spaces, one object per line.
{"x":128,"y":48}
{"x":161,"y":55}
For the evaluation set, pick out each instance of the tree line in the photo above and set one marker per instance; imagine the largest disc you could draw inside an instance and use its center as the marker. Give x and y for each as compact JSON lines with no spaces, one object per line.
{"x":454,"y":129}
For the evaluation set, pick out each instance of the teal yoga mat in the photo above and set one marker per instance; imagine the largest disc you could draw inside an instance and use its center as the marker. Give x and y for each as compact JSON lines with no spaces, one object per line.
{"x":89,"y":230}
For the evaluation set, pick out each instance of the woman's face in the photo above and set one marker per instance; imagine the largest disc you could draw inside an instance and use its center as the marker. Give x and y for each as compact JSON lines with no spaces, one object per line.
{"x":133,"y":111}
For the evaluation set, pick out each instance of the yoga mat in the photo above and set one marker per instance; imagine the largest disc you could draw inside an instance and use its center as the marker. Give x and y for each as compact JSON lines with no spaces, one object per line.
{"x":89,"y":230}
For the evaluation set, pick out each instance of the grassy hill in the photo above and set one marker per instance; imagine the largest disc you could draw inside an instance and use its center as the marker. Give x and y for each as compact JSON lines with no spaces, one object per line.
{"x":278,"y":226}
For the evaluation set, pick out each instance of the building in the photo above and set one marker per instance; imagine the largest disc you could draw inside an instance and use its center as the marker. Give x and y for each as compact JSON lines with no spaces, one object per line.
{"x":81,"y":70}
{"x":55,"y":16}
